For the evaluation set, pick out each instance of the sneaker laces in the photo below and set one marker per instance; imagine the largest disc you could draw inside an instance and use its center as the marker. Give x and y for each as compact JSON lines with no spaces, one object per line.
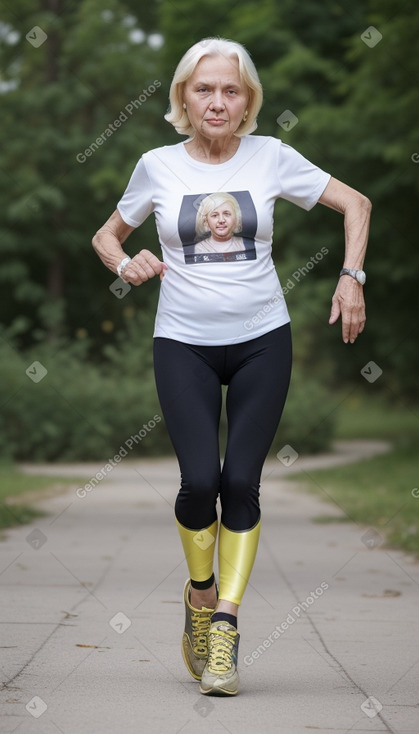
{"x":200,"y":622}
{"x":220,"y":650}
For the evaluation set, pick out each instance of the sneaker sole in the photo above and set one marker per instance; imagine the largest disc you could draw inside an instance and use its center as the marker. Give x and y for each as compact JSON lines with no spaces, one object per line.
{"x":218,"y":692}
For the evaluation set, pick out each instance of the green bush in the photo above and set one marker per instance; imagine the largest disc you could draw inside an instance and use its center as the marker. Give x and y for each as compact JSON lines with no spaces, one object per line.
{"x":87,"y":405}
{"x":308,"y":422}
{"x":82,"y":409}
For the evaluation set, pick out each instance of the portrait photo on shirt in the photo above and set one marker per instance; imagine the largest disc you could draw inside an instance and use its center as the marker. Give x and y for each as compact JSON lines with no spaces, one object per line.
{"x":218,"y":227}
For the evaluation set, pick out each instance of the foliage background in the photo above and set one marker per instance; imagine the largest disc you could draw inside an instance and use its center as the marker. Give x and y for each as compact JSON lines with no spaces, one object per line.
{"x":357,"y":118}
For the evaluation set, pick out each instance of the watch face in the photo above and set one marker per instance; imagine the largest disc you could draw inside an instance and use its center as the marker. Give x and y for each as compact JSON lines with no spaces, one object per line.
{"x":361,"y":277}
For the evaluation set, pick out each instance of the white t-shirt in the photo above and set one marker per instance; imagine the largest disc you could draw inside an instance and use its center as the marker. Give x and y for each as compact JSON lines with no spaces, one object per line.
{"x":219,"y":298}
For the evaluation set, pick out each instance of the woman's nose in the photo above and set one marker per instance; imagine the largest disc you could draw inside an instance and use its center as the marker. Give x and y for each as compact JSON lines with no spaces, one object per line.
{"x":217,"y":101}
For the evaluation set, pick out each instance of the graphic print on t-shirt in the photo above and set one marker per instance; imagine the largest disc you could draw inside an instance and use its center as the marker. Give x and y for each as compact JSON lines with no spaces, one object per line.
{"x":218,"y":227}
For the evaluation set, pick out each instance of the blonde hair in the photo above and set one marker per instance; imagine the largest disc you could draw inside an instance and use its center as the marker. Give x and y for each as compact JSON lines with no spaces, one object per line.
{"x":208,"y":205}
{"x":178,"y":116}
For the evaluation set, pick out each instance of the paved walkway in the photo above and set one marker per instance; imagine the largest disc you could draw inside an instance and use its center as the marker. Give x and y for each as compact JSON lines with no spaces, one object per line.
{"x":91,"y":605}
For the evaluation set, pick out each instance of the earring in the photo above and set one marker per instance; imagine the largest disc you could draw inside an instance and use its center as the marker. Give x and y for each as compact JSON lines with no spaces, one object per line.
{"x":184,"y":106}
{"x":245,"y":116}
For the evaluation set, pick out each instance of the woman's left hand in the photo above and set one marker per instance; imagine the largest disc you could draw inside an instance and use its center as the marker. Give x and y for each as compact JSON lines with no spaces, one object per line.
{"x":348,"y":302}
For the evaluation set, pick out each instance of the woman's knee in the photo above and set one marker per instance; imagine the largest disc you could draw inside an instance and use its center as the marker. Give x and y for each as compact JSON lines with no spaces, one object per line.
{"x":196,"y":500}
{"x":239,"y":497}
{"x":238,"y":484}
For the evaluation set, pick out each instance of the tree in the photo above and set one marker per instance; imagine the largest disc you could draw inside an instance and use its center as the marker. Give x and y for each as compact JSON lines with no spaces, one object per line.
{"x":81,"y":100}
{"x":370,"y":138}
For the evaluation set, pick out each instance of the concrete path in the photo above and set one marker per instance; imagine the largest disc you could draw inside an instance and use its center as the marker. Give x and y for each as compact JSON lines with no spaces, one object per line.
{"x":92,"y":613}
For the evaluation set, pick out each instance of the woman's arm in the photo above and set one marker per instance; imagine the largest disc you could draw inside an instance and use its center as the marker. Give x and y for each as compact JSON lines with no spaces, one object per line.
{"x":348,"y":299}
{"x":108,"y":242}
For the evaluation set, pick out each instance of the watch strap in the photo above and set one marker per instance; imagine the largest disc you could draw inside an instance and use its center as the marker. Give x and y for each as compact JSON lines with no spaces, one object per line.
{"x":358,"y":275}
{"x":124,"y":262}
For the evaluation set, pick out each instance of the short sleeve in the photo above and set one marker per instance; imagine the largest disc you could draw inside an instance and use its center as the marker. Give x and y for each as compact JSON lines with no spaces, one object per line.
{"x":301,"y":182}
{"x":136,"y":203}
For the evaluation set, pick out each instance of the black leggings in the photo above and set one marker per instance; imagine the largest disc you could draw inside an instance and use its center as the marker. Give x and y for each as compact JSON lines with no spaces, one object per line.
{"x":188,"y":380}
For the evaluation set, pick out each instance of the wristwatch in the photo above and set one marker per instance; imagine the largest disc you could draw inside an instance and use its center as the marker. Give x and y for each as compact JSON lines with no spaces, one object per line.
{"x":359,"y":275}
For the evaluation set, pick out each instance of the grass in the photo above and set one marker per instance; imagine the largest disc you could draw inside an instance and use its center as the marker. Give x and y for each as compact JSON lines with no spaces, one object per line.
{"x":16,"y":489}
{"x":376,"y":492}
{"x":363,"y":416}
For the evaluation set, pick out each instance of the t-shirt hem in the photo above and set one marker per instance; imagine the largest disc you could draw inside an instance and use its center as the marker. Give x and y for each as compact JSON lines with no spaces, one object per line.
{"x":220,"y":342}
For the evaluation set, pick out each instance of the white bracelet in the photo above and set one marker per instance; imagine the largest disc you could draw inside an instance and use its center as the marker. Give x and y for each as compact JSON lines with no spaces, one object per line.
{"x":123,"y":264}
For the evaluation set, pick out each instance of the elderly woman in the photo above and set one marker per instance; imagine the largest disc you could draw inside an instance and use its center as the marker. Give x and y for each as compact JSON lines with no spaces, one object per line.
{"x":200,"y":338}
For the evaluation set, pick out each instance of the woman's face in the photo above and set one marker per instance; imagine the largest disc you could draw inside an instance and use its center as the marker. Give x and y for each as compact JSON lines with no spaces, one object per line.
{"x":215,"y":97}
{"x":222,"y":222}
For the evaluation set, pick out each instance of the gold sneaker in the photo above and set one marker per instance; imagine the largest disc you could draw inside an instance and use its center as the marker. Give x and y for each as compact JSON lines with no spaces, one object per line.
{"x":195,"y":636}
{"x":220,"y":676}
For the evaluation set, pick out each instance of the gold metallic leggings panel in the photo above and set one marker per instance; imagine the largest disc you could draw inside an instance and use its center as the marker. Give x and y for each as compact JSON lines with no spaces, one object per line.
{"x":198,"y":547}
{"x":236,"y":555}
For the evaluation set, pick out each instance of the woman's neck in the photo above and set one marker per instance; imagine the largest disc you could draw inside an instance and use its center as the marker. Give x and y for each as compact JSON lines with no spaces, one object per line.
{"x":206,"y":150}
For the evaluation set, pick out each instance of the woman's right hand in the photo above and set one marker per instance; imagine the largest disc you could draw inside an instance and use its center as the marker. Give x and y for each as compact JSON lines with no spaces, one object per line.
{"x":108,"y":242}
{"x":142,"y":267}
